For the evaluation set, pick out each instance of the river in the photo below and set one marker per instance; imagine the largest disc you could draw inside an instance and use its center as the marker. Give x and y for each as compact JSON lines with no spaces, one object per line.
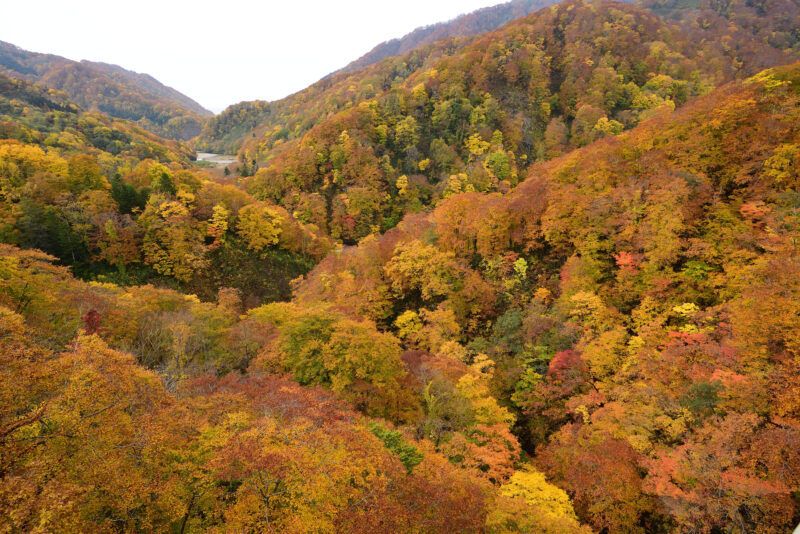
{"x":221,"y":160}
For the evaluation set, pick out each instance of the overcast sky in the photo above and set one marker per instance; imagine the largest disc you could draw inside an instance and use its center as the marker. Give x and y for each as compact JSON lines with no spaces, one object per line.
{"x":225,"y":51}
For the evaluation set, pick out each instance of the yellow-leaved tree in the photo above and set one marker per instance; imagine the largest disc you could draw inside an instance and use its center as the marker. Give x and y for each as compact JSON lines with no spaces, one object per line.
{"x":260,"y":226}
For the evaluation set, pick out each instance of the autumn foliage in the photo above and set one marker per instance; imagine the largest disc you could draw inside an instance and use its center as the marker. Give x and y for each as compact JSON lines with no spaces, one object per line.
{"x":545,"y":281}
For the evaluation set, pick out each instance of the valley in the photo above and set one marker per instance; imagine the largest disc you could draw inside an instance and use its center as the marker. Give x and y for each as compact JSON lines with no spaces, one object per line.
{"x":531,"y":270}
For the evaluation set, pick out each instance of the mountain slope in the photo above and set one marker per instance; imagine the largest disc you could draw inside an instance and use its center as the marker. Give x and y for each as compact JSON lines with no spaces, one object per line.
{"x":109,"y":89}
{"x":131,"y":435}
{"x":744,"y":34}
{"x":475,"y":116}
{"x":36,"y":115}
{"x":571,"y":304}
{"x":773,"y":22}
{"x":223,"y":133}
{"x":293,"y":115}
{"x":148,"y":84}
{"x":479,"y":21}
{"x":114,"y":201}
{"x":634,"y":301}
{"x":149,"y":410}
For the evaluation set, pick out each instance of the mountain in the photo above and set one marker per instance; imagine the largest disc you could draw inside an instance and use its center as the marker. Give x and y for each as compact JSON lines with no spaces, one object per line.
{"x":540,"y":280}
{"x":110,"y":89}
{"x":148,"y":84}
{"x":231,"y":127}
{"x":611,"y":346}
{"x":336,"y":90}
{"x":633,"y":302}
{"x":773,"y":22}
{"x":475,"y":115}
{"x":145,"y":404}
{"x":35,"y":115}
{"x":224,"y":133}
{"x":479,"y":21}
{"x":85,"y":187}
{"x":719,"y":28}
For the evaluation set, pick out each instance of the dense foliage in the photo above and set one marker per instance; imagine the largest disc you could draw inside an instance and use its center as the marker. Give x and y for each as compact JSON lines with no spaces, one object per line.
{"x":750,"y":35}
{"x":223,"y":133}
{"x":635,"y":305}
{"x":475,"y":119}
{"x":116,"y":202}
{"x":772,"y":22}
{"x":33,"y":114}
{"x":544,"y":280}
{"x":92,"y":441}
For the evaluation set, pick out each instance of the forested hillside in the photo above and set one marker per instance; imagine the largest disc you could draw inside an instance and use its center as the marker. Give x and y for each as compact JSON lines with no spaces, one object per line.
{"x":474,"y":119}
{"x":751,"y":36}
{"x":295,"y":114}
{"x":632,"y":304}
{"x":543,"y":280}
{"x":773,"y":22}
{"x":479,"y":21}
{"x":602,"y":325}
{"x":36,"y":115}
{"x":224,"y":133}
{"x":92,"y":441}
{"x":147,"y":83}
{"x":113,"y":201}
{"x":109,"y":89}
{"x":288,"y":119}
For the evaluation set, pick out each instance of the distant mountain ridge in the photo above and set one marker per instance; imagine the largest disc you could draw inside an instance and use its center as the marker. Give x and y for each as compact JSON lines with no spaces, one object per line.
{"x":38,"y":115}
{"x":758,"y":36}
{"x":229,"y":130}
{"x":480,"y":21}
{"x":150,"y":84}
{"x":110,"y":89}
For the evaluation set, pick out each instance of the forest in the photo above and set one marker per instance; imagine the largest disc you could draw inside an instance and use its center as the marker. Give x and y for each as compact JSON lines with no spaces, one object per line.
{"x":541,"y":279}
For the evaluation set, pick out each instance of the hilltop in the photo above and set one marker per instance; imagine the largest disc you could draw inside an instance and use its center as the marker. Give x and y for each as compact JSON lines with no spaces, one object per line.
{"x":479,"y":21}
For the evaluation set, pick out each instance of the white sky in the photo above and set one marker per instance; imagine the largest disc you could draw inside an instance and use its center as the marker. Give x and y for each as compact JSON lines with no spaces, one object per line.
{"x":221,"y":52}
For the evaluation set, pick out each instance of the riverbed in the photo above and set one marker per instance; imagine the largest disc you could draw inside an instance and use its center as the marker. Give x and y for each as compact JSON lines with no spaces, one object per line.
{"x":220,"y":160}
